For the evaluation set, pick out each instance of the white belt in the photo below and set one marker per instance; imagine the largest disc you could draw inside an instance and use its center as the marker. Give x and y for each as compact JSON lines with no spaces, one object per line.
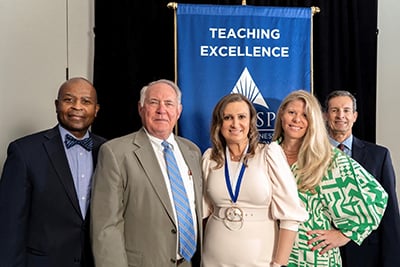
{"x":249,"y":214}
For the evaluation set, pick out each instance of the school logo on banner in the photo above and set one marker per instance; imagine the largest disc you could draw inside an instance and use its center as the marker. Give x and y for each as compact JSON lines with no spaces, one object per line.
{"x":260,"y":52}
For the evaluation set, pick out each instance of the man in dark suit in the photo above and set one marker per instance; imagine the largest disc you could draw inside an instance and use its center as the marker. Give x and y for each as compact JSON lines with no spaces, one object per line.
{"x":382,"y":246}
{"x":134,"y":220}
{"x":45,"y":187}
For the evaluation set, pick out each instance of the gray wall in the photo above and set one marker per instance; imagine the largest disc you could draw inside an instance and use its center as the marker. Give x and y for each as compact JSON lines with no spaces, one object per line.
{"x":41,"y":38}
{"x":388,"y":127}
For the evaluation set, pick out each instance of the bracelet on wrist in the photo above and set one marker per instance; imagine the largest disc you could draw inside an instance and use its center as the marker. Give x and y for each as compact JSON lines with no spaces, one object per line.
{"x":274,"y":264}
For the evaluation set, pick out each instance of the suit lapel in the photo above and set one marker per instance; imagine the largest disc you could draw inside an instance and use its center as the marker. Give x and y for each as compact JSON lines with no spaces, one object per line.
{"x":147,"y":158}
{"x":55,"y":150}
{"x":96,"y":145}
{"x":358,"y":151}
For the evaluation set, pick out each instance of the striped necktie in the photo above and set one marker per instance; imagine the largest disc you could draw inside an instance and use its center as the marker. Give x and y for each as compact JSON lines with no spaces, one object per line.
{"x":187,"y":241}
{"x":341,"y":146}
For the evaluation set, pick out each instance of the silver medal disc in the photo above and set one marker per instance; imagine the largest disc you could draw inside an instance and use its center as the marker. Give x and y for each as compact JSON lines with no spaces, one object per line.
{"x":233,"y":218}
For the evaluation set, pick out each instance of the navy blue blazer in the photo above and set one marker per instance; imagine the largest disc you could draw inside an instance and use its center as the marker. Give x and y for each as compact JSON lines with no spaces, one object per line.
{"x":41,"y":224}
{"x":382,"y":247}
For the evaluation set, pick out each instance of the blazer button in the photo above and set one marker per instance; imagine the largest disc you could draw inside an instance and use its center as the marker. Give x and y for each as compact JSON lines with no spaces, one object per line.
{"x":173,"y":231}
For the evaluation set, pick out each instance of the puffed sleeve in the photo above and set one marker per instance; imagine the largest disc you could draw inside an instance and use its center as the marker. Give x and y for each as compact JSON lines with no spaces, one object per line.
{"x":206,"y":162}
{"x":286,"y":205}
{"x":358,"y":202}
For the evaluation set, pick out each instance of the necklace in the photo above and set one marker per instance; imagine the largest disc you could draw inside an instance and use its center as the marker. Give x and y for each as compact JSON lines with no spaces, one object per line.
{"x":235,"y":158}
{"x":291,"y":155}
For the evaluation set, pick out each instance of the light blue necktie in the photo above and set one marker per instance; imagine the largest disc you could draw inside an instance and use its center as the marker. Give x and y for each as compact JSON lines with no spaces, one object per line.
{"x":187,"y":241}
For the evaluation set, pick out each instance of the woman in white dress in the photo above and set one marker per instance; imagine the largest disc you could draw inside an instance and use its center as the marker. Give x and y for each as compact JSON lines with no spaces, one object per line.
{"x":250,"y":197}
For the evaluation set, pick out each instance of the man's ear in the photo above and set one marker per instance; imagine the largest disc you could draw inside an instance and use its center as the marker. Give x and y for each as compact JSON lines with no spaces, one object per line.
{"x":325,"y":115}
{"x":355,"y":116}
{"x":97,"y":109}
{"x":180,"y":108}
{"x":56,"y":105}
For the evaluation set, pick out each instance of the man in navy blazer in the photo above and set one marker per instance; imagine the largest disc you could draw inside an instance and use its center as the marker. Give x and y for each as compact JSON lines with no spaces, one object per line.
{"x":382,"y":247}
{"x":45,"y":187}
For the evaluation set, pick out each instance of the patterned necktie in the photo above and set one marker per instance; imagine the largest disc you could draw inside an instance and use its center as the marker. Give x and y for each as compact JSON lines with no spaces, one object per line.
{"x":341,"y":147}
{"x":187,"y":241}
{"x":86,"y":143}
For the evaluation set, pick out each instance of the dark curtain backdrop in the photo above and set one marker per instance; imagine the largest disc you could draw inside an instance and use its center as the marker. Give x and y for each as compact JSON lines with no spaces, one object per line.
{"x":134,"y":45}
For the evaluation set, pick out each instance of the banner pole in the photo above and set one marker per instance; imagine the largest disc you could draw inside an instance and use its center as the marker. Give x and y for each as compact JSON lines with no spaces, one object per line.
{"x":174,"y":6}
{"x":314,"y":10}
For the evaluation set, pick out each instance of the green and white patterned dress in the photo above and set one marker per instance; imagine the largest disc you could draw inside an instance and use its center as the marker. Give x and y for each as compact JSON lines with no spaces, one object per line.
{"x":349,"y":199}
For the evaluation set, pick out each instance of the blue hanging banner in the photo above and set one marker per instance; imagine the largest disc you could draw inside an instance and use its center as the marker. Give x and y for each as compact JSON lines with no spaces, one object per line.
{"x":261,"y":52}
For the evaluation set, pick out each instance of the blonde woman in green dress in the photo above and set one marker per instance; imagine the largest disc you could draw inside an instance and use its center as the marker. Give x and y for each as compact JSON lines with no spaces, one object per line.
{"x":343,"y":200}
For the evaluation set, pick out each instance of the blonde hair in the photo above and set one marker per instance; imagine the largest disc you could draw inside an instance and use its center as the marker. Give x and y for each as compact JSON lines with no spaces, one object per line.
{"x":315,"y":151}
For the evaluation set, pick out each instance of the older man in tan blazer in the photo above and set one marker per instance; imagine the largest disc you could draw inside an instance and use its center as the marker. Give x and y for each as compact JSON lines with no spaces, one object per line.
{"x":134,"y":220}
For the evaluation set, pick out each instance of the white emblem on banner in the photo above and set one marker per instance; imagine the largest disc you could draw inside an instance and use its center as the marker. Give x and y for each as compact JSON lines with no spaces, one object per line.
{"x":246,"y":86}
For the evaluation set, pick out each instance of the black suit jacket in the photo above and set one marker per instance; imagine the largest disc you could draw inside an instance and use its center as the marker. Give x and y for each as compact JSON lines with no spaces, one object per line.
{"x":41,"y":224}
{"x":382,"y":247}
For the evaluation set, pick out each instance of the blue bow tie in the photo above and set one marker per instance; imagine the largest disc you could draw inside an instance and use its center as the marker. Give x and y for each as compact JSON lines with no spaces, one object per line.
{"x":86,"y":143}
